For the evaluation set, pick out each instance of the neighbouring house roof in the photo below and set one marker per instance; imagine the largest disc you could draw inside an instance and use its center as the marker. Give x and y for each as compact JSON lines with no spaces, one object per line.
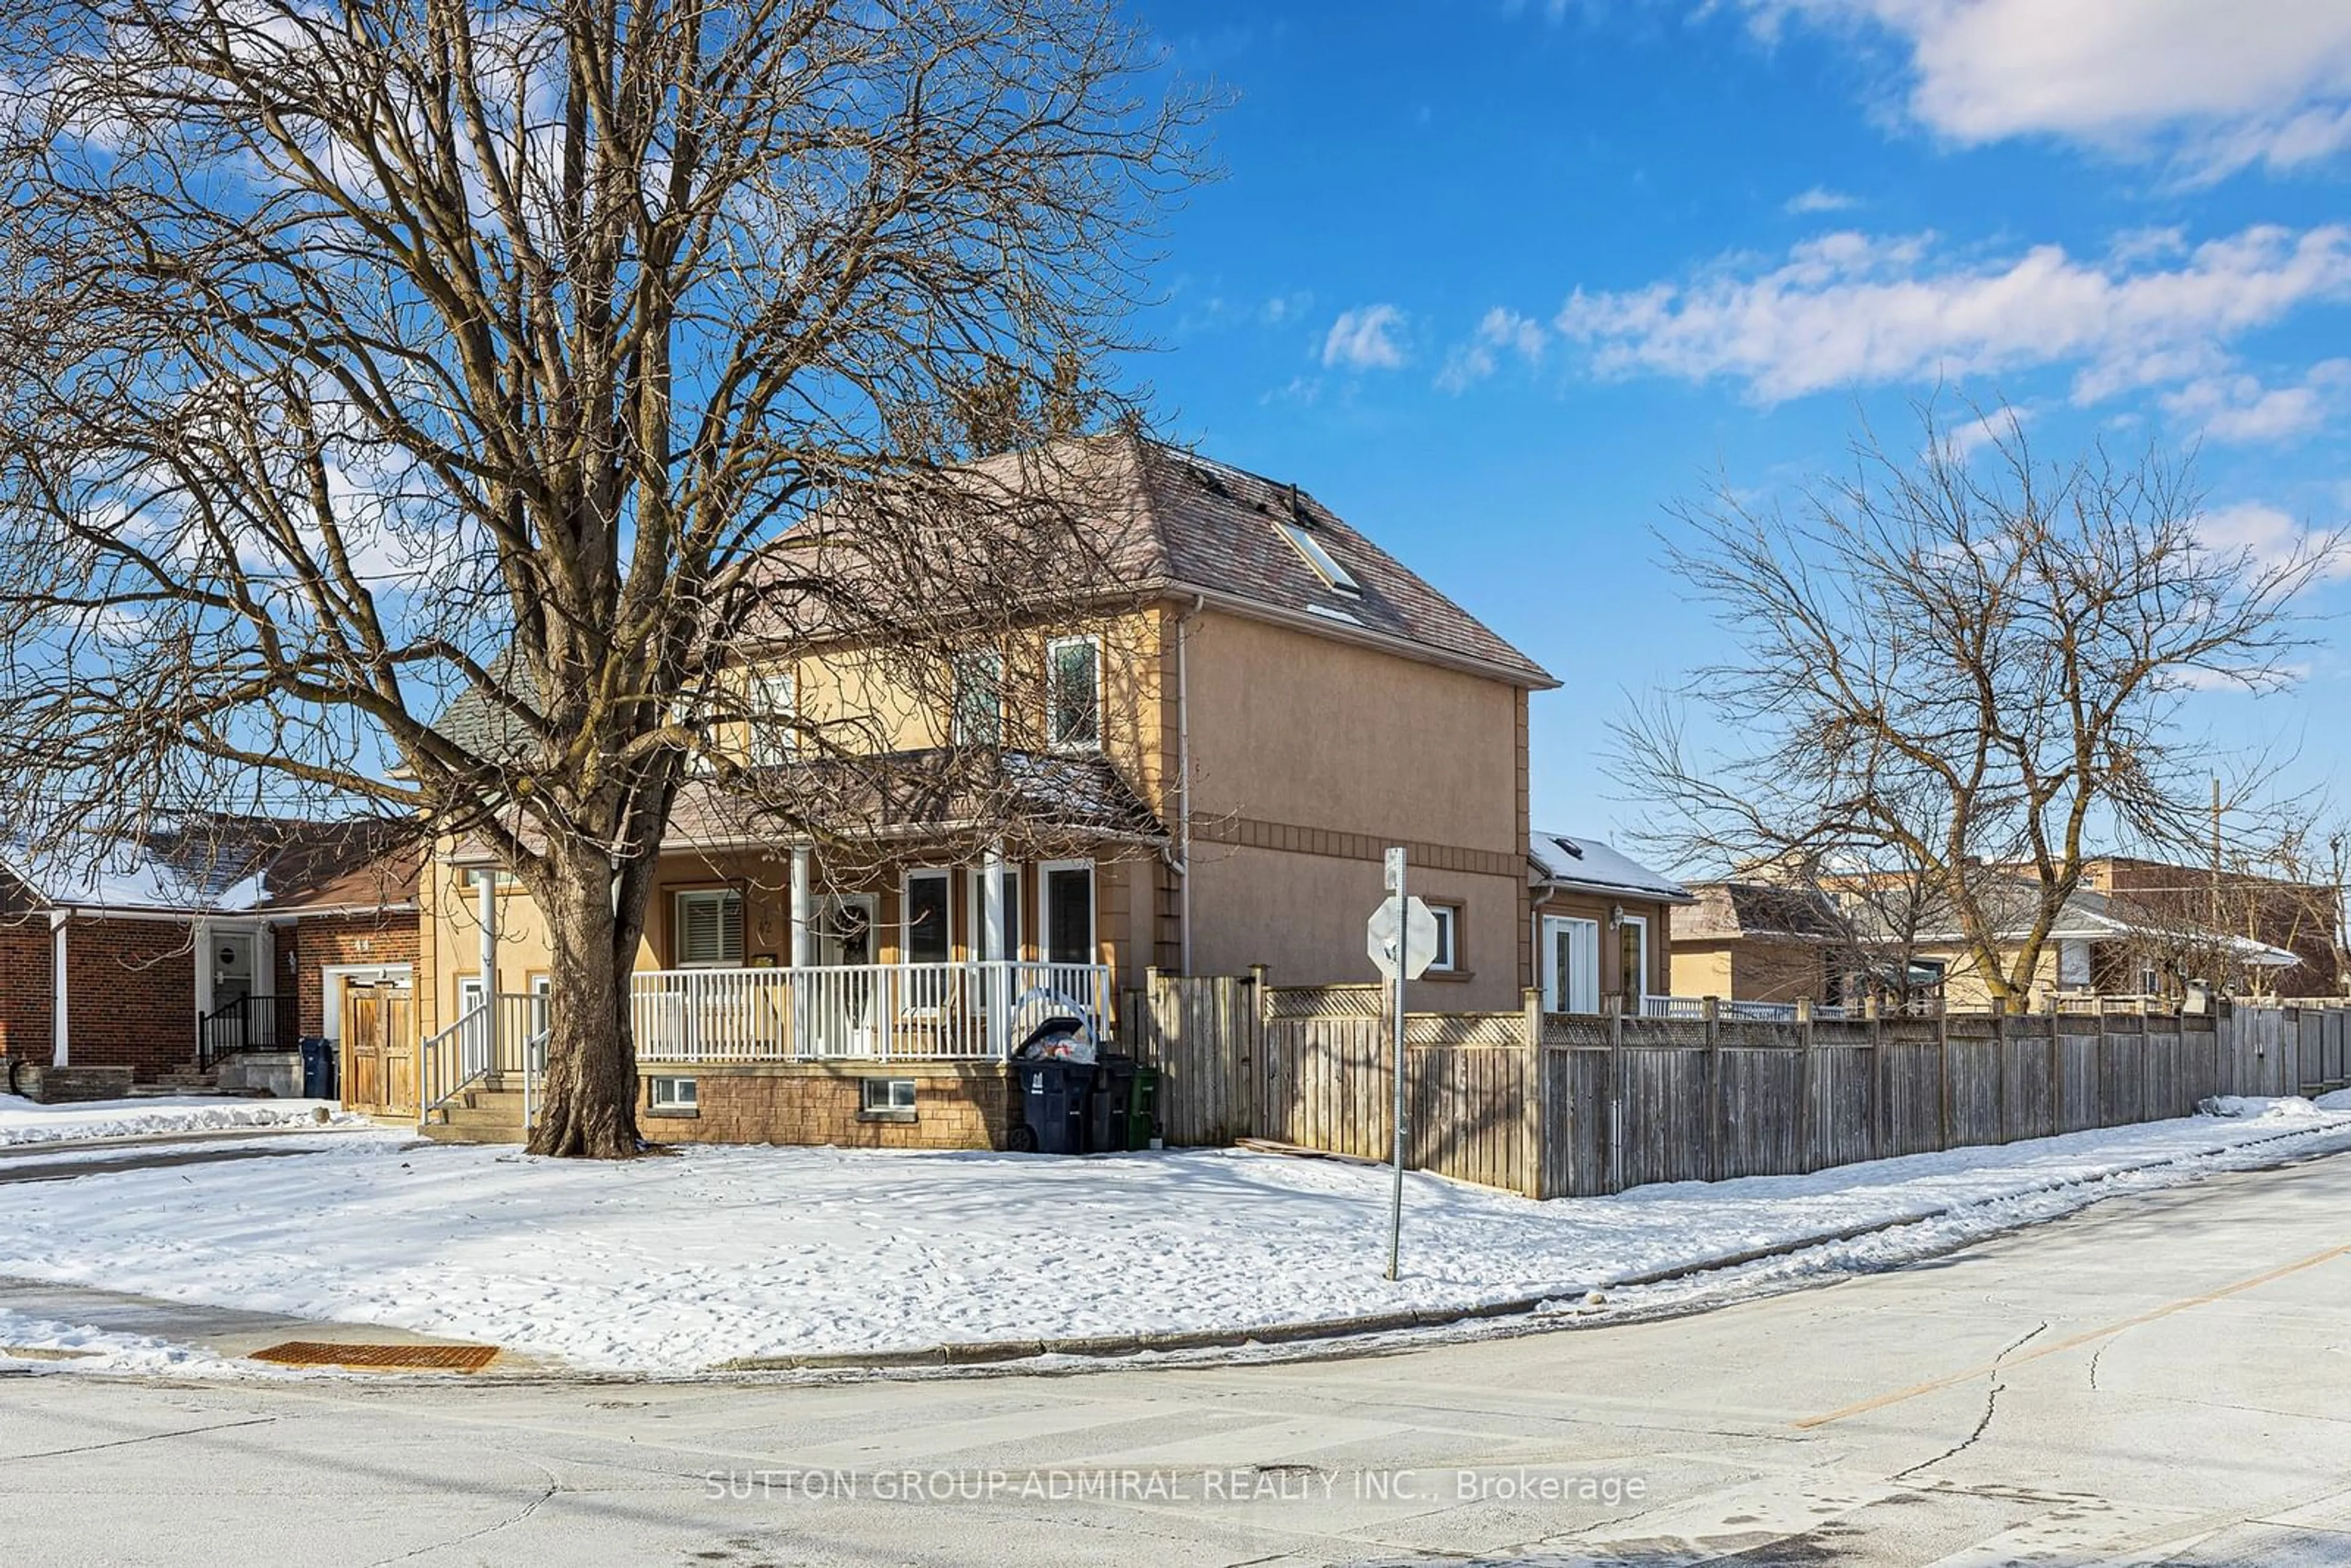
{"x":2089,"y":916}
{"x":1730,"y":911}
{"x":1564,"y":861}
{"x":219,"y":865}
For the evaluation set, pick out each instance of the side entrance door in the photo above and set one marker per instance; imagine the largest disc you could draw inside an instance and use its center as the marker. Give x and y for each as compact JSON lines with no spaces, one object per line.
{"x":379,"y":1053}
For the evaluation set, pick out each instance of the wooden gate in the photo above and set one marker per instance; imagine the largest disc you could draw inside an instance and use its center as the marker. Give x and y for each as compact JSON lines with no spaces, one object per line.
{"x":379,"y":1048}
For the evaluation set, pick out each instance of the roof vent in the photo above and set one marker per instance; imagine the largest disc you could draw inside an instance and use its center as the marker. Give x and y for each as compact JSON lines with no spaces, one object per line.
{"x":1575,"y":850}
{"x":1211,"y":484}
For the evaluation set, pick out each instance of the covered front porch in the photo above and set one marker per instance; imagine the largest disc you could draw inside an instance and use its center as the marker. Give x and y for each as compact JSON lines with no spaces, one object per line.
{"x":777,"y":956}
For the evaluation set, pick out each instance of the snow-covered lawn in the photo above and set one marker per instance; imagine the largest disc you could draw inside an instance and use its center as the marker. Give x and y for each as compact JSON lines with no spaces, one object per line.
{"x":24,"y":1121}
{"x":675,"y":1264}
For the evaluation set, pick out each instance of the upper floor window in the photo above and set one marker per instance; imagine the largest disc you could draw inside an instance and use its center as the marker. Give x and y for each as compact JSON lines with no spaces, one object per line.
{"x":1073,"y":692}
{"x":979,"y":698}
{"x":775,"y":700}
{"x":709,"y":927}
{"x":1449,"y":938}
{"x":1324,"y":563}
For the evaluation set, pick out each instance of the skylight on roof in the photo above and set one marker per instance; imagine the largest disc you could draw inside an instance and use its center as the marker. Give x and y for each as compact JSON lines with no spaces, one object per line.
{"x":1321,"y":559}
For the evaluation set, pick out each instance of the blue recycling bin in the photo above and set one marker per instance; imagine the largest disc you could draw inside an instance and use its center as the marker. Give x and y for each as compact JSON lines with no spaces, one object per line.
{"x":1053,"y":1103}
{"x":319,"y":1069}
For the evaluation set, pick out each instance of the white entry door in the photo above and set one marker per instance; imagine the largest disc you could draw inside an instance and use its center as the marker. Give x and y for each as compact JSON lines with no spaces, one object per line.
{"x":834,"y":998}
{"x":1570,"y":976}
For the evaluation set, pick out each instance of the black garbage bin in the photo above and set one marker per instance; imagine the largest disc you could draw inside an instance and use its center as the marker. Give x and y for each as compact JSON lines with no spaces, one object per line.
{"x":318,"y":1069}
{"x":1142,"y":1109}
{"x":1106,"y":1109}
{"x":1053,"y":1102}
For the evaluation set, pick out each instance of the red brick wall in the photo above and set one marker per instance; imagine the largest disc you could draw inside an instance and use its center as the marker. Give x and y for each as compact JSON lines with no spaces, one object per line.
{"x":26,"y":969}
{"x":131,"y":998}
{"x":306,"y":948}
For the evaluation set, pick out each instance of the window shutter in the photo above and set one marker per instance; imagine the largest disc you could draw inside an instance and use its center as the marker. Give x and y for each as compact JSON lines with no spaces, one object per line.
{"x":709,"y":927}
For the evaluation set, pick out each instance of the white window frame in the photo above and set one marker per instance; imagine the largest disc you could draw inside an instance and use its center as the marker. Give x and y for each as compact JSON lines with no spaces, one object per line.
{"x":677,"y":928}
{"x":1448,"y":937}
{"x":1053,"y":693}
{"x":1561,"y":985}
{"x":890,"y":1106}
{"x":770,"y":744}
{"x":471,"y":993}
{"x":661,"y":1094}
{"x":992,"y":660}
{"x":1045,"y":870}
{"x":540,"y":987}
{"x":906,"y":880}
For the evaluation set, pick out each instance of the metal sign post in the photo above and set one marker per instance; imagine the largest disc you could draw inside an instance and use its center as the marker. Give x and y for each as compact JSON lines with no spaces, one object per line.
{"x":1401,"y":937}
{"x":1396,"y":1199}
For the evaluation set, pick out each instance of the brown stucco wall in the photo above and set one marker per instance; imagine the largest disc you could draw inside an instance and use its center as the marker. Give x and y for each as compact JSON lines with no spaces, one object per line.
{"x":1592,"y":907}
{"x":960,"y":1107}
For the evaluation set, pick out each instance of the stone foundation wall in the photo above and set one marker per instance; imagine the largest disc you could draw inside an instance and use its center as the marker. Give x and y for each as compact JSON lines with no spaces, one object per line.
{"x":49,"y":1086}
{"x":961,"y":1106}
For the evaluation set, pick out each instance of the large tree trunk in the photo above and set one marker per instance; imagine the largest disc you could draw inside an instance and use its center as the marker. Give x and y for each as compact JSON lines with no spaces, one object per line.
{"x":590,"y":1109}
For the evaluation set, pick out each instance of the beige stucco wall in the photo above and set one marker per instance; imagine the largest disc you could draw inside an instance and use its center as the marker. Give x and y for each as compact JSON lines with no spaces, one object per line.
{"x":1702,"y":972}
{"x":1309,"y":757}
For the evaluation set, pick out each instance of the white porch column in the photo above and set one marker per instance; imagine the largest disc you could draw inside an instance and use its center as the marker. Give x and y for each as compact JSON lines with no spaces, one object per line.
{"x":991,"y":904}
{"x":488,"y":901}
{"x":61,"y":1036}
{"x":200,"y":942}
{"x":801,"y":954}
{"x":991,"y":947}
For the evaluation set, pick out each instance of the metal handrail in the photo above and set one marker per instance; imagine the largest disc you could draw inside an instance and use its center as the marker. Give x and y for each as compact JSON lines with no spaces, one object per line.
{"x":230,"y":1030}
{"x":481,"y":1043}
{"x":949,"y":1012}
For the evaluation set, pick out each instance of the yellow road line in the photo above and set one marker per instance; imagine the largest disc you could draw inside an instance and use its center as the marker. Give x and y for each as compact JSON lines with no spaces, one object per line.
{"x":1972,"y":1373}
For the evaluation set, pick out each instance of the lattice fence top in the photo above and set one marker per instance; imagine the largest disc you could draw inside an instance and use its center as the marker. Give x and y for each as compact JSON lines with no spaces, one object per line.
{"x":1465,"y":1028}
{"x":1362,"y":1001}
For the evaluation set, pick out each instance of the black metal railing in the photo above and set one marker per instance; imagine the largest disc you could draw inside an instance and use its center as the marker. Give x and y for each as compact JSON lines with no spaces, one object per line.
{"x":236,"y":1027}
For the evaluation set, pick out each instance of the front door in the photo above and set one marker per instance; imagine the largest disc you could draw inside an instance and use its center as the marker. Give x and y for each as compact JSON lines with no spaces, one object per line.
{"x":236,"y":1026}
{"x":1571,"y":976}
{"x":835,"y":1004}
{"x":379,"y":1047}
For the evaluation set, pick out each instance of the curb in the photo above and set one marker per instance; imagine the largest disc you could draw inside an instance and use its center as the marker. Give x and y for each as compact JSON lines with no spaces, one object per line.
{"x":980,"y":1353}
{"x":194,"y":1135}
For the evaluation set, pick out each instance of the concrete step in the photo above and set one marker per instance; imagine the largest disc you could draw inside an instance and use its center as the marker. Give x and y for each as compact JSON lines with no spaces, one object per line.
{"x":479,"y":1116}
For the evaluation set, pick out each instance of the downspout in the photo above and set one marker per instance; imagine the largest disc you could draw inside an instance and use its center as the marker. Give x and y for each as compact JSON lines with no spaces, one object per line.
{"x":1184,"y":774}
{"x":60,"y":1033}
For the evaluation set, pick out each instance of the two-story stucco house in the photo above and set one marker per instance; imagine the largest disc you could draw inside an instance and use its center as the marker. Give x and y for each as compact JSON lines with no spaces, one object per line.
{"x":1219,"y":753}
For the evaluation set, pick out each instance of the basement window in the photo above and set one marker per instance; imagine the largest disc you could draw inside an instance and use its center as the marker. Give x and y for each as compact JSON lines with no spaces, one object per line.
{"x":1324,"y":563}
{"x":672,"y":1097}
{"x":886,"y":1100}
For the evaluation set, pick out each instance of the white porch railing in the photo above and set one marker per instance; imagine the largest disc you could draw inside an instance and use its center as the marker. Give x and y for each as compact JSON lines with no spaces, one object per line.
{"x":1761,"y":1012}
{"x":471,"y":1051}
{"x":879,"y":1011}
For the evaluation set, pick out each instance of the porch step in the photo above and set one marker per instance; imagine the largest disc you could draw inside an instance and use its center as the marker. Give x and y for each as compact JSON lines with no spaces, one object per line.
{"x":185,"y":1081}
{"x":478,"y":1116}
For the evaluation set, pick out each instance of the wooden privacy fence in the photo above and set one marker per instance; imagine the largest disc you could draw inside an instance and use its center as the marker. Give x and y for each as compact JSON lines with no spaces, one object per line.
{"x":1567,"y":1105}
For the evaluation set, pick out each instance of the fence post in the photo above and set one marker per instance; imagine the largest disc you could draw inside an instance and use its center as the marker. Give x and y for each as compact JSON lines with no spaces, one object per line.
{"x":2146,"y":1068}
{"x":2057,"y":1066}
{"x":1711,"y":1011}
{"x":1808,"y":1121}
{"x":1616,"y":1003}
{"x":1943,"y":1074}
{"x":1536,"y":1135}
{"x":1255,"y":1063}
{"x":1999,"y":1045}
{"x":1877,"y":1076}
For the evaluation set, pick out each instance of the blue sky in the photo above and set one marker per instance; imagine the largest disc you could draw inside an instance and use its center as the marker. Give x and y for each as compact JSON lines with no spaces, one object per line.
{"x":1498,"y":281}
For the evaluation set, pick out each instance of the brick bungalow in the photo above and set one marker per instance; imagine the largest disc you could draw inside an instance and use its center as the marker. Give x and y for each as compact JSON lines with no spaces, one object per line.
{"x":218,"y":937}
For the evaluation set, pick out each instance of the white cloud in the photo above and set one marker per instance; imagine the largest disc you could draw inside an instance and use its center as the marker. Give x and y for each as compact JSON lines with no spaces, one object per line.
{"x":1364,"y":339}
{"x":2220,"y":83}
{"x":1501,"y":330}
{"x":1849,"y":309}
{"x":2238,"y":408}
{"x":1819,"y":199}
{"x":2269,"y":537}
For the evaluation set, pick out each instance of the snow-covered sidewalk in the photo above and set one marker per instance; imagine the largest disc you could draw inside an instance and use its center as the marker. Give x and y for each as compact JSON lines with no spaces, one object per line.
{"x":25,"y":1121}
{"x":680,"y":1263}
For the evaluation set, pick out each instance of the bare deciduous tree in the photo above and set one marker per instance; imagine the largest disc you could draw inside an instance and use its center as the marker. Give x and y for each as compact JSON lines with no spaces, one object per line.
{"x":1955,"y":670}
{"x":368,"y":361}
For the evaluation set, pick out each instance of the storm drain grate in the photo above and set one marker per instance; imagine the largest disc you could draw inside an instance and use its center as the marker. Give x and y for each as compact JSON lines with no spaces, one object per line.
{"x":395,"y":1357}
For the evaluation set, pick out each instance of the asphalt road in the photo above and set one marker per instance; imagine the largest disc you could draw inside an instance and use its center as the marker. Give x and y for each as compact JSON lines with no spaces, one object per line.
{"x":2160,"y":1379}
